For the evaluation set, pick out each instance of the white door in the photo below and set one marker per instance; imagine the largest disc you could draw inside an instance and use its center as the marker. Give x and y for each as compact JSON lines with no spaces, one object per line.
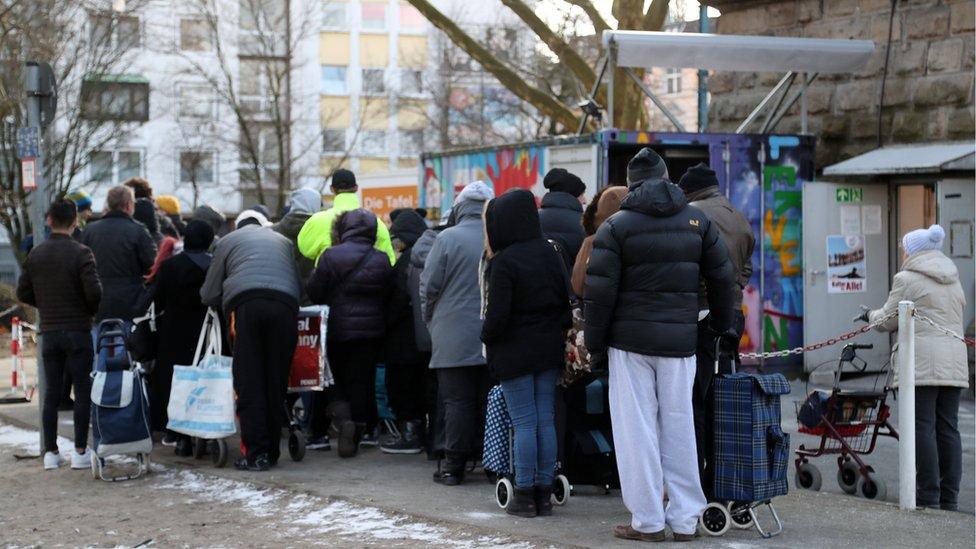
{"x":957,"y":202}
{"x":852,"y":220}
{"x":579,"y":159}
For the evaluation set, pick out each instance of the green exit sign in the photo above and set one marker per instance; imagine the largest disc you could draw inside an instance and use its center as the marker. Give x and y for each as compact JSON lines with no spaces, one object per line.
{"x":849,"y":195}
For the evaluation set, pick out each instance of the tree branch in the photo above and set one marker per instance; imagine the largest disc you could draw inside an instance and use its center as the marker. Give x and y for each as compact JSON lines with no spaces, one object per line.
{"x":508,"y":78}
{"x":599,"y":23}
{"x":656,"y":13}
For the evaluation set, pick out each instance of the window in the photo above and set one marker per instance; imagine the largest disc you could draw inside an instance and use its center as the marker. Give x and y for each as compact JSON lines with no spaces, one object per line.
{"x":411,"y":142}
{"x":334,"y":15}
{"x":373,"y":142}
{"x":196,"y":102}
{"x":411,"y":81}
{"x":411,"y":19}
{"x":333,"y":140}
{"x":197,"y":167}
{"x":114,"y":167}
{"x":115,"y":97}
{"x":266,"y":148}
{"x":194,"y":35}
{"x":374,"y":15}
{"x":262,"y":24}
{"x":119,"y":32}
{"x":373,"y":81}
{"x":672,"y":81}
{"x":258,"y":81}
{"x":334,"y":80}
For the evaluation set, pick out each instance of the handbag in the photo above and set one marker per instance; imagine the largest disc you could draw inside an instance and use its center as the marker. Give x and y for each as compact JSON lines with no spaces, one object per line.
{"x":577,"y":364}
{"x":201,"y":401}
{"x":143,"y":340}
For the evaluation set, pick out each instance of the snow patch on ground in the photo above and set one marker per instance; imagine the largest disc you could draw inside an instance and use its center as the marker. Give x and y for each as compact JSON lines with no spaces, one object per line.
{"x":29,"y":440}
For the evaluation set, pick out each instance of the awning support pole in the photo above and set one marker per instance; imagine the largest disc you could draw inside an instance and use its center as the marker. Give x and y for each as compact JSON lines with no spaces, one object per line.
{"x":596,"y":88}
{"x":762,"y":104}
{"x":779,"y":103}
{"x":657,"y":102}
{"x":611,"y":91}
{"x":801,"y":94}
{"x":803,"y":105}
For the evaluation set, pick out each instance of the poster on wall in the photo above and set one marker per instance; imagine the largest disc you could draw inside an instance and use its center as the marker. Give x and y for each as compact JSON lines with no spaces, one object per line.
{"x":846,"y":265}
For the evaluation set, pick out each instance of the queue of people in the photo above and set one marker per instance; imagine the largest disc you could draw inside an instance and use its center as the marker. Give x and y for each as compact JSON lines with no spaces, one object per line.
{"x":483,"y":298}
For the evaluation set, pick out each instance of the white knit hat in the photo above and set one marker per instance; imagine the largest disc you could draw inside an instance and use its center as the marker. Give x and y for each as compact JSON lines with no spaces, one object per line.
{"x":478,"y":191}
{"x":923,"y":240}
{"x":251,"y":214}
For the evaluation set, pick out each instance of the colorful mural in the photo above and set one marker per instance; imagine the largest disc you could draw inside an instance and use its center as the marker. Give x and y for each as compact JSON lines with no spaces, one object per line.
{"x":505,"y":168}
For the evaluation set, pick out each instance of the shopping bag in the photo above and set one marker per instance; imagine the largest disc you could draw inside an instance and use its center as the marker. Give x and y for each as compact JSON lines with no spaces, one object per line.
{"x":201,"y":402}
{"x":310,"y":365}
{"x":143,"y":338}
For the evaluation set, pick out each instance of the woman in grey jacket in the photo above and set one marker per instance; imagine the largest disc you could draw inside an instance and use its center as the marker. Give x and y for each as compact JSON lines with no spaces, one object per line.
{"x":451,"y":300}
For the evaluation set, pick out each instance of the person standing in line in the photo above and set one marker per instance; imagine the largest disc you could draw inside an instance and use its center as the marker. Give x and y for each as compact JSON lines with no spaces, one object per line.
{"x":145,"y":213}
{"x":302,"y":203}
{"x":702,"y":191}
{"x":354,"y":280}
{"x":931,"y":280}
{"x":60,"y":278}
{"x":124,"y":253}
{"x":406,"y":364}
{"x":175,"y":291}
{"x":252,"y":277}
{"x":169,"y":207}
{"x":606,"y":202}
{"x":526,"y":317}
{"x":316,"y":235}
{"x":449,"y":292}
{"x":641,"y":304}
{"x":561,"y":212}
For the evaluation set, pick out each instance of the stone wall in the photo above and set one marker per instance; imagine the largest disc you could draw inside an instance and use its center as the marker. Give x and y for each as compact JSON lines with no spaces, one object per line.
{"x":929,"y":89}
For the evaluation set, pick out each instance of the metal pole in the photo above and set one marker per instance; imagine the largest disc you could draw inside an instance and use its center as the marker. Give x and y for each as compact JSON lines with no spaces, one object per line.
{"x":762,"y":254}
{"x":702,"y":74}
{"x":38,"y":206}
{"x":803,"y":104}
{"x":762,"y":104}
{"x":779,"y":103}
{"x":789,"y":104}
{"x":906,"y":405}
{"x":611,"y":82}
{"x":657,"y":102}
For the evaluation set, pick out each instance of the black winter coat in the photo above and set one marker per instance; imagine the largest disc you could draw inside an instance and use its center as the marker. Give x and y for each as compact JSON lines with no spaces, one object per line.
{"x":60,"y":278}
{"x":353,"y":279}
{"x":401,"y":338}
{"x":641,"y":290}
{"x":124,"y":252}
{"x":527,"y":292}
{"x":561,"y":216}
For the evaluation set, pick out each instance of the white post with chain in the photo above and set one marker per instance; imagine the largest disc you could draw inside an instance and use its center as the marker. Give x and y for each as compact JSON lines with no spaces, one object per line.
{"x":906,"y":405}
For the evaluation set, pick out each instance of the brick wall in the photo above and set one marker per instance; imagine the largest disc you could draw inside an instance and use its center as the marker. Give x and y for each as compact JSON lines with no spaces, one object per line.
{"x":929,"y":90}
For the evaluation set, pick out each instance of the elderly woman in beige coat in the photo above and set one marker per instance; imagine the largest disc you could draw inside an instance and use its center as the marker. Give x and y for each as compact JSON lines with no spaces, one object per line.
{"x":931,"y":280}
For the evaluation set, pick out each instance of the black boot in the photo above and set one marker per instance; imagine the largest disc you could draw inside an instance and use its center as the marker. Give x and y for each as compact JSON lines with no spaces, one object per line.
{"x":258,"y":464}
{"x":452,"y":474}
{"x":343,"y":429}
{"x":409,"y":441}
{"x":543,"y":500}
{"x":522,"y":503}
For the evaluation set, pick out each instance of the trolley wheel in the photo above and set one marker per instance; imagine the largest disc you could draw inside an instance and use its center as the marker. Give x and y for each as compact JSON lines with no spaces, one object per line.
{"x":296,"y":445}
{"x":715,"y":519}
{"x":739,"y":513}
{"x":503,"y":492}
{"x":561,"y":490}
{"x":808,"y":477}
{"x":847,"y":476}
{"x":218,"y":452}
{"x":872,"y":487}
{"x":199,"y":448}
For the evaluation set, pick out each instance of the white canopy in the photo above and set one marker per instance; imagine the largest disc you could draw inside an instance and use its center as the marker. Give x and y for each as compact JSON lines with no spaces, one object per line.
{"x":737,"y":53}
{"x":931,"y":158}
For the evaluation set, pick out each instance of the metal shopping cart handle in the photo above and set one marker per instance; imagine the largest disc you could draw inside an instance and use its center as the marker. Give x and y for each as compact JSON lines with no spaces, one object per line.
{"x":732,"y":336}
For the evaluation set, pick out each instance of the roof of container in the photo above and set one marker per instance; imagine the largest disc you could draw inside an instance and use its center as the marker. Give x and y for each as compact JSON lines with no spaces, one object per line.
{"x":738,"y":53}
{"x":909,"y":159}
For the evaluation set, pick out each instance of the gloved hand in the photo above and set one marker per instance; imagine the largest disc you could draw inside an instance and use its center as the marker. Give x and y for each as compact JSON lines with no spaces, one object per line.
{"x":863,"y":317}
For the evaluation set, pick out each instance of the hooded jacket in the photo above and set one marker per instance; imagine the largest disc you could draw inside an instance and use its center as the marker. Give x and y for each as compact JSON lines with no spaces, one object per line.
{"x":449,"y":290}
{"x":736,"y":233}
{"x":418,"y":258}
{"x":608,"y":205}
{"x":251,"y":262}
{"x":931,"y":280}
{"x":561,"y":217}
{"x":353,"y":279}
{"x":289,"y":227}
{"x":527,"y":294}
{"x":642,"y":280}
{"x":124,"y":253}
{"x":401,"y":338}
{"x":316,"y":235}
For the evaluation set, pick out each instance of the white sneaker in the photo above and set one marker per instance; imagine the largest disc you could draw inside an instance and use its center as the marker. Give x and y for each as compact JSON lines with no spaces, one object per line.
{"x":80,"y":461}
{"x":52,"y":460}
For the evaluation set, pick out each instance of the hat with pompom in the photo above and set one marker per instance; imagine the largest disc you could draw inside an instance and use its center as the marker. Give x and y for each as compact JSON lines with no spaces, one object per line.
{"x":923,"y":240}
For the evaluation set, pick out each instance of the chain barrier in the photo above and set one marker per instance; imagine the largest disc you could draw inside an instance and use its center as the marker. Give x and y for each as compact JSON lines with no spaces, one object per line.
{"x":946,"y":331}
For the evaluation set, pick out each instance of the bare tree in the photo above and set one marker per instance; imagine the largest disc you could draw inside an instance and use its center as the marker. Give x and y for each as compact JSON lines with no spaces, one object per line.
{"x":86,"y":46}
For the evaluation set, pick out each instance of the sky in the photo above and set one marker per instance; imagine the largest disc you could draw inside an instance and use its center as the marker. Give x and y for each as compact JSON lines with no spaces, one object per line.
{"x":550,"y":9}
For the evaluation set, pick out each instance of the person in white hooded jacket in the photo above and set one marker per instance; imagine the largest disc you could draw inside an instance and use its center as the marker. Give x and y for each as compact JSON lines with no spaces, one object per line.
{"x":931,"y":280}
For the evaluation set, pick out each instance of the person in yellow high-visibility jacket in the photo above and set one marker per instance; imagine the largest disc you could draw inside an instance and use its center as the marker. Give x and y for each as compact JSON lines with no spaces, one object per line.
{"x":316,"y":235}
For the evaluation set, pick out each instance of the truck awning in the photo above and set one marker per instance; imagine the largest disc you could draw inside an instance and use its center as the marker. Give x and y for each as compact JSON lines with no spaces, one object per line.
{"x":643,"y":49}
{"x":909,"y":159}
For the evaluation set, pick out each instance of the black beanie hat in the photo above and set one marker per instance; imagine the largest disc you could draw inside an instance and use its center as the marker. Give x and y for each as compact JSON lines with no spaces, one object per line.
{"x":560,"y":180}
{"x":645,"y":165}
{"x":197,"y":236}
{"x":697,"y":178}
{"x":343,"y":180}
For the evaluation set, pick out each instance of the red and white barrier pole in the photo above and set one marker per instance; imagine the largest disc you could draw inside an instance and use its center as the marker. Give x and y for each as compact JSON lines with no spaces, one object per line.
{"x":19,"y":390}
{"x":14,"y":352}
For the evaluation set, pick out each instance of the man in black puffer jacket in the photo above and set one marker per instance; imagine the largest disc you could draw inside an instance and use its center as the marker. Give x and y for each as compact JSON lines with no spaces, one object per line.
{"x":354,"y":280}
{"x":561,"y":213}
{"x":641,"y":302}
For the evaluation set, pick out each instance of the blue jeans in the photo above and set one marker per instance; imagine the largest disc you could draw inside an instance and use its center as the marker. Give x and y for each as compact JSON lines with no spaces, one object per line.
{"x":530,"y":402}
